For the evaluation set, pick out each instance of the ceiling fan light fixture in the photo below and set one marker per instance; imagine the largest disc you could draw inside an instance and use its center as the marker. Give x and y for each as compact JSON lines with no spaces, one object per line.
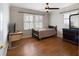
{"x":47,"y":3}
{"x":49,"y":8}
{"x":47,"y":11}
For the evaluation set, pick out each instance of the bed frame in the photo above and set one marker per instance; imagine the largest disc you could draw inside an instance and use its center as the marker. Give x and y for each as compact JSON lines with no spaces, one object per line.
{"x":37,"y":36}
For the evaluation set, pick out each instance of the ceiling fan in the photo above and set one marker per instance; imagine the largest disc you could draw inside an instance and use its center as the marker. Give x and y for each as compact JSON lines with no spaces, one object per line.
{"x":50,"y":8}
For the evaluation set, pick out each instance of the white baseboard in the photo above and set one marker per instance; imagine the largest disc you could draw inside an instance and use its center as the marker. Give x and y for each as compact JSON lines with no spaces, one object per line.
{"x":27,"y":36}
{"x":6,"y":49}
{"x":60,"y":35}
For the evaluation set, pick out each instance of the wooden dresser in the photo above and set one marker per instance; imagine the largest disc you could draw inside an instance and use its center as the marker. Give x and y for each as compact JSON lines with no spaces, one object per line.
{"x":15,"y":36}
{"x":71,"y":35}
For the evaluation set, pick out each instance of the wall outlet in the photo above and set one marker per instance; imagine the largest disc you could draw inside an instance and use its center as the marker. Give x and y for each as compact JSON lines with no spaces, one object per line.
{"x":1,"y":46}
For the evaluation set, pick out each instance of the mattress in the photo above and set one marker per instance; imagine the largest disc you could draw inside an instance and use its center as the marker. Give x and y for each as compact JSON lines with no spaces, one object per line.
{"x":46,"y":32}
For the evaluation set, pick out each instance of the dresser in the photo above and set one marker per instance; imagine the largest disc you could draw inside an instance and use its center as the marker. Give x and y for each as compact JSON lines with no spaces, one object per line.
{"x":71,"y":35}
{"x":14,"y":37}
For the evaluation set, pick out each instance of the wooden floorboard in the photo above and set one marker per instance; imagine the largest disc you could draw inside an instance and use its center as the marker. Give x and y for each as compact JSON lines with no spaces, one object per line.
{"x":47,"y":47}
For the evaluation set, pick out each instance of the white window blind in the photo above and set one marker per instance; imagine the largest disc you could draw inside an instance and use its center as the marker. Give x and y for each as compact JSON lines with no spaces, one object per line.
{"x":28,"y":21}
{"x":38,"y":21}
{"x":33,"y":21}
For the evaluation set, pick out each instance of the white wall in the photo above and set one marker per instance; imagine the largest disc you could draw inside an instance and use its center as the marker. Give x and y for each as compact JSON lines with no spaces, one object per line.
{"x":57,"y":19}
{"x":5,"y":21}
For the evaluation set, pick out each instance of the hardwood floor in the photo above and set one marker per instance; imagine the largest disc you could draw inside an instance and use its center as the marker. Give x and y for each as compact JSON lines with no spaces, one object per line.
{"x":48,"y":47}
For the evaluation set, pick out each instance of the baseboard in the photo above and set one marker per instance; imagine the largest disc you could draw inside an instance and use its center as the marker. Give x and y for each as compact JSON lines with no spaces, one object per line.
{"x":27,"y":36}
{"x":60,"y":35}
{"x":6,"y":49}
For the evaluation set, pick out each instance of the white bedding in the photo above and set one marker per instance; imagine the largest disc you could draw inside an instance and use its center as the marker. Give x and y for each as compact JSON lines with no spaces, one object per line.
{"x":42,"y":29}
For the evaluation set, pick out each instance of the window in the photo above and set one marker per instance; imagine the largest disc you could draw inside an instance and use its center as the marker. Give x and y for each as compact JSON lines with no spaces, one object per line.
{"x":33,"y":21}
{"x":38,"y":21}
{"x":28,"y":21}
{"x":66,"y":16}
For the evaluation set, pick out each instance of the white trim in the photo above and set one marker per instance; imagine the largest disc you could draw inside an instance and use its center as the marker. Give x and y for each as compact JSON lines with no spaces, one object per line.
{"x":6,"y":48}
{"x":27,"y":36}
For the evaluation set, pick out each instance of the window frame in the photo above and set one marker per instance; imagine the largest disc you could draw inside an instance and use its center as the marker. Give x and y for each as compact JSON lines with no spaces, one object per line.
{"x":36,"y":21}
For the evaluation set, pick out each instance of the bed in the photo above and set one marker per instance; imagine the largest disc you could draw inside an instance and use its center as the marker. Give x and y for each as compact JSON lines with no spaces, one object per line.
{"x":44,"y":32}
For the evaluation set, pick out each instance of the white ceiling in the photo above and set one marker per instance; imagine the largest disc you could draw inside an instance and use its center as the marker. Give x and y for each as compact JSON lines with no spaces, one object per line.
{"x":40,"y":6}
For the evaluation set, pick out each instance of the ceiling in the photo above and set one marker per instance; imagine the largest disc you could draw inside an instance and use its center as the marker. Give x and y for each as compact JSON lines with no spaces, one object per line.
{"x":40,"y":6}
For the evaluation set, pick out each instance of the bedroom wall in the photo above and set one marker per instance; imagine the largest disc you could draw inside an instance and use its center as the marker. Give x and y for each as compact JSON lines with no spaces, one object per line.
{"x":17,"y":18}
{"x":57,"y":18}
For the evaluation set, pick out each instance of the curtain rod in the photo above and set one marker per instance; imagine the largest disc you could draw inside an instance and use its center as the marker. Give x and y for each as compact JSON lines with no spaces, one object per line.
{"x":30,"y":13}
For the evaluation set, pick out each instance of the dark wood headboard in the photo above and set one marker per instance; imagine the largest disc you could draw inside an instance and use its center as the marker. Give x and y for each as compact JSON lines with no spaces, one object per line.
{"x":53,"y":27}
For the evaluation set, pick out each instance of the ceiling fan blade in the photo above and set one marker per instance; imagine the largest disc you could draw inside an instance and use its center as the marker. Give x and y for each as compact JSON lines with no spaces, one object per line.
{"x":51,"y":8}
